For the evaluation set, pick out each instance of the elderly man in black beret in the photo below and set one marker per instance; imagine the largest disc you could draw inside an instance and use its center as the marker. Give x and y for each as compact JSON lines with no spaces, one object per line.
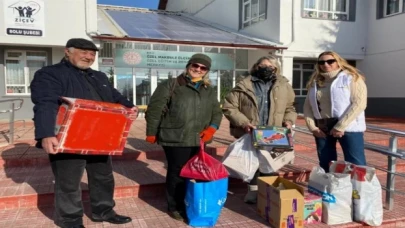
{"x":73,"y":77}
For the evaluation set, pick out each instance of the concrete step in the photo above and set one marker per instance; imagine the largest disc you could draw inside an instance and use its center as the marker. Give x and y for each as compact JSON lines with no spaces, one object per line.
{"x":32,"y":186}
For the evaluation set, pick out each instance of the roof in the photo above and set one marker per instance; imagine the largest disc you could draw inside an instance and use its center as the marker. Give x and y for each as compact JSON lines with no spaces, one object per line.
{"x":169,"y":27}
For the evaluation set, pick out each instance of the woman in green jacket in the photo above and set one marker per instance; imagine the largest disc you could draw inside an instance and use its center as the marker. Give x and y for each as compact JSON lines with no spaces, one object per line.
{"x":263,"y":98}
{"x":182,"y":112}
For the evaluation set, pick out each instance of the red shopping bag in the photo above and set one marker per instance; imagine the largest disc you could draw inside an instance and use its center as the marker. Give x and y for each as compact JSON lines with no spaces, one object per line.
{"x":204,"y":167}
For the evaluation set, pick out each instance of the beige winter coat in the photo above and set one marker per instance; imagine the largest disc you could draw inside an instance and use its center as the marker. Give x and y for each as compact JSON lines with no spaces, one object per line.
{"x":240,"y":106}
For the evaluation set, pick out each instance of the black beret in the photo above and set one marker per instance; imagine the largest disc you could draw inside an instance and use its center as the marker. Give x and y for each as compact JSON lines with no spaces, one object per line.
{"x":81,"y":43}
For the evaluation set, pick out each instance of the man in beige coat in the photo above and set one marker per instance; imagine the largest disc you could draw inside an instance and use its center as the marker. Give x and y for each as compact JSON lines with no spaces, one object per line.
{"x":263,"y":98}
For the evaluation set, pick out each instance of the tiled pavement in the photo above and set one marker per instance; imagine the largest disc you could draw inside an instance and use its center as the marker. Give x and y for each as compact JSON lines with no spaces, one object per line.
{"x":26,"y":190}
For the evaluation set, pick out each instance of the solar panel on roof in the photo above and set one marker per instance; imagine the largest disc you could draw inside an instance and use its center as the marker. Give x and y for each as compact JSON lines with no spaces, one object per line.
{"x":134,"y":32}
{"x":174,"y":27}
{"x":154,"y":34}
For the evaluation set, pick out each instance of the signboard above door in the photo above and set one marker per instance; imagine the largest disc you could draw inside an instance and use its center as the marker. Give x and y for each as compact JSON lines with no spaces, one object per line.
{"x":167,"y":59}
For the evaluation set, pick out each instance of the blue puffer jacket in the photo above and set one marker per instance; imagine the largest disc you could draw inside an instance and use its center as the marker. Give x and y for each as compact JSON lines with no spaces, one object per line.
{"x":64,"y":79}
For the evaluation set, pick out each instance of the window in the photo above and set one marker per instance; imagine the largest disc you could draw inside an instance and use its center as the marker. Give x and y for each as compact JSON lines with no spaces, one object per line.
{"x":164,"y":47}
{"x":20,"y":67}
{"x":253,"y":11}
{"x":190,"y":48}
{"x":343,"y":10}
{"x":301,"y":74}
{"x":106,"y":50}
{"x":392,"y":7}
{"x":241,"y":64}
{"x":123,"y":45}
{"x":143,"y":86}
{"x":387,"y":8}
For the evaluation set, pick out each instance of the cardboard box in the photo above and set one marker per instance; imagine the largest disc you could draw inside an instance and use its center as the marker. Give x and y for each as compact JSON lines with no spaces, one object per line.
{"x":312,"y":209}
{"x":282,"y":208}
{"x":92,"y":127}
{"x":272,"y":161}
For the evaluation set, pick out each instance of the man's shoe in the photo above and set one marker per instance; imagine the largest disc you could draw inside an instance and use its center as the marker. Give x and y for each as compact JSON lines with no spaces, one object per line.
{"x":115,"y":219}
{"x":77,"y":226}
{"x":176,"y":215}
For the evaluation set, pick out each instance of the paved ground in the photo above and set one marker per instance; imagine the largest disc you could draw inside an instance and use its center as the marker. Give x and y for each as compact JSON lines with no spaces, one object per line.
{"x":26,"y":189}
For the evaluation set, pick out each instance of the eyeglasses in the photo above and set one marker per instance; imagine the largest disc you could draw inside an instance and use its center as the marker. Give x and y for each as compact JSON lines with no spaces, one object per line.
{"x":329,"y":61}
{"x":196,"y":66}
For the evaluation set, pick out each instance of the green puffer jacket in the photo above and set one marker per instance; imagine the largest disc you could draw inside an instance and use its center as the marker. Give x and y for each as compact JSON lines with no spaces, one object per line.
{"x":190,"y":111}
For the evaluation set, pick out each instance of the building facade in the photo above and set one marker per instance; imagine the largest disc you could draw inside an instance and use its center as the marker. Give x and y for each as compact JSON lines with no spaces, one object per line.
{"x":141,"y":47}
{"x":32,"y":35}
{"x":364,"y":32}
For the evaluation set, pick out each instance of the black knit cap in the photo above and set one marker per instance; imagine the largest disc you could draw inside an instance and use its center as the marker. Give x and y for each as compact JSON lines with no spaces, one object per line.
{"x":81,"y":43}
{"x":201,"y":59}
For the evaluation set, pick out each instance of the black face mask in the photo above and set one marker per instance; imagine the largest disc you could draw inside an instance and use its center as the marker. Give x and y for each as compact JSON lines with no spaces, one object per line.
{"x":266,"y":73}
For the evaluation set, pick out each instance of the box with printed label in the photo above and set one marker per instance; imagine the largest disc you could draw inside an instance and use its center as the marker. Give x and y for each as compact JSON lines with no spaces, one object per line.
{"x":92,"y":127}
{"x":280,"y":202}
{"x":271,"y":136}
{"x":312,"y":208}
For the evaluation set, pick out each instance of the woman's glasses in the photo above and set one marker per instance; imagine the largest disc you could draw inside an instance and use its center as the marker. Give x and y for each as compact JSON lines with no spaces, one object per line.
{"x":329,"y":61}
{"x":196,"y":66}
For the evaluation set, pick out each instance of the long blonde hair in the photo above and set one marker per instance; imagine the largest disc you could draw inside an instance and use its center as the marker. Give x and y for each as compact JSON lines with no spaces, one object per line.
{"x":342,"y":63}
{"x":272,"y":59}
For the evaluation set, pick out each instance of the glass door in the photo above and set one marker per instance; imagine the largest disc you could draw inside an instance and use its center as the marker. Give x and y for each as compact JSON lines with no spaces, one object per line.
{"x":164,"y":74}
{"x":125,"y":82}
{"x":159,"y":75}
{"x":142,"y":86}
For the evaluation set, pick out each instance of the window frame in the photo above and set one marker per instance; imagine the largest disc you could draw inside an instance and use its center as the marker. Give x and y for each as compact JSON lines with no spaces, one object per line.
{"x":385,"y":7}
{"x":24,"y":59}
{"x":334,"y":12}
{"x":243,"y":3}
{"x":302,"y":70}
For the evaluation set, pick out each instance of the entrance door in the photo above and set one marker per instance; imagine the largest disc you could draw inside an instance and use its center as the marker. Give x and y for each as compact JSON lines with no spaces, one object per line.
{"x":125,"y":81}
{"x":159,"y":75}
{"x":142,"y":86}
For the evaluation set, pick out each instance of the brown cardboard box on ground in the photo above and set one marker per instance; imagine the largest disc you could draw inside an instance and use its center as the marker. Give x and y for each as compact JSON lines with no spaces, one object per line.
{"x":284,"y":207}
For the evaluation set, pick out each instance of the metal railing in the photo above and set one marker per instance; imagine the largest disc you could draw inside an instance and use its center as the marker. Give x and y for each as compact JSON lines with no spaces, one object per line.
{"x":392,"y":152}
{"x":12,"y":110}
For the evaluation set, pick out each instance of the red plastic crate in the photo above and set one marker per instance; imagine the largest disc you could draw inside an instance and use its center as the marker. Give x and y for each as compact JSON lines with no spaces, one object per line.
{"x":92,"y":127}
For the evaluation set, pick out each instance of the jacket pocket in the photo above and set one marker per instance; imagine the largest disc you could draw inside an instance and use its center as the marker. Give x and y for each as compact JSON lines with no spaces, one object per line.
{"x":171,"y":132}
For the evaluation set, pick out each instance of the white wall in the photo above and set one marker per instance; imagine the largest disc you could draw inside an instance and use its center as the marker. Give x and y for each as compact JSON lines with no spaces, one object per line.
{"x":313,"y":36}
{"x":222,"y":12}
{"x":226,"y":13}
{"x":187,"y":6}
{"x":64,"y":19}
{"x":384,"y":63}
{"x":57,"y":54}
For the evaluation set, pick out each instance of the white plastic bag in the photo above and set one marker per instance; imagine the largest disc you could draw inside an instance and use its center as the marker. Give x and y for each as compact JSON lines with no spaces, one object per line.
{"x":367,"y":193}
{"x":336,"y":191}
{"x":240,"y":159}
{"x":341,"y":167}
{"x":367,"y":196}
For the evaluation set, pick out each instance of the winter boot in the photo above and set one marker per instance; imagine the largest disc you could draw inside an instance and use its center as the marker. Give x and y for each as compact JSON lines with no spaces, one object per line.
{"x":251,"y":195}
